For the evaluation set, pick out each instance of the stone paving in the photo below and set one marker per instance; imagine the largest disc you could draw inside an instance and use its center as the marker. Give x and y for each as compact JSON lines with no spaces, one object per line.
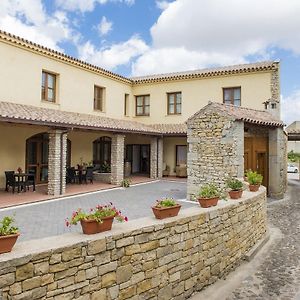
{"x":47,"y":218}
{"x":278,"y":276}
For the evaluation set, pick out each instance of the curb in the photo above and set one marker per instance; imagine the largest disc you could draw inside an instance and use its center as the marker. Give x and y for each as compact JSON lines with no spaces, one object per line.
{"x":257,"y":247}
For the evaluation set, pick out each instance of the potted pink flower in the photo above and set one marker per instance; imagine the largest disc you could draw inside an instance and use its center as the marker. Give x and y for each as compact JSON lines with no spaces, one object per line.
{"x":97,"y":220}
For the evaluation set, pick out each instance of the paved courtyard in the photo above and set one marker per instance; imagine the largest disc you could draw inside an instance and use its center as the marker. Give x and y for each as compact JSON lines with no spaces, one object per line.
{"x":47,"y":218}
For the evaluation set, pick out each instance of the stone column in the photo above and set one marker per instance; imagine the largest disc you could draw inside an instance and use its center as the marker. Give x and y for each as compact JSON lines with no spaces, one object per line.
{"x":57,"y":162}
{"x":160,"y":157}
{"x":153,"y":157}
{"x":277,"y":163}
{"x":117,"y":158}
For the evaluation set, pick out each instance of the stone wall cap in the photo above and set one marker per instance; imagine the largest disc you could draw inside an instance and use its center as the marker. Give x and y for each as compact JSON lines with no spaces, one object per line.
{"x":238,"y":113}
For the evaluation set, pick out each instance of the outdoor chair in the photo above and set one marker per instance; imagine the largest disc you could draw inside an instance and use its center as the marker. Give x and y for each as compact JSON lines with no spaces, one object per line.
{"x":166,"y":170}
{"x":72,"y":177}
{"x":12,"y":182}
{"x":181,"y":170}
{"x":88,"y":175}
{"x":30,"y":181}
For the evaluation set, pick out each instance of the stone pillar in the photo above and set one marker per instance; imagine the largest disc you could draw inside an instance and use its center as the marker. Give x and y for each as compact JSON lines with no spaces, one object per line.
{"x":57,"y":162}
{"x":117,"y":158}
{"x":277,"y":163}
{"x":160,"y":157}
{"x":153,"y":157}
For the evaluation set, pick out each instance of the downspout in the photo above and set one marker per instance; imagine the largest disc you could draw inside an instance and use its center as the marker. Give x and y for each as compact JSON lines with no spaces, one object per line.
{"x":157,"y":157}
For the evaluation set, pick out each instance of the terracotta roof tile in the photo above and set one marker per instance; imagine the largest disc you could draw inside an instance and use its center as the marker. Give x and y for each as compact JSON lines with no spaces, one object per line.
{"x":52,"y":117}
{"x":173,"y":129}
{"x":244,"y":68}
{"x":244,"y":114}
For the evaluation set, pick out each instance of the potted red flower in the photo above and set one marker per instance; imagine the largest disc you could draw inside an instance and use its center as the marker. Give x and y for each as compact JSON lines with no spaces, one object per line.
{"x":8,"y":234}
{"x":209,"y":195}
{"x":99,"y":219}
{"x":166,"y":208}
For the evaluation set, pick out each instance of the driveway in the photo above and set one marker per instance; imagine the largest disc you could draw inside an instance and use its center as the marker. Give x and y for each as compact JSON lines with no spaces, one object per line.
{"x":44,"y":219}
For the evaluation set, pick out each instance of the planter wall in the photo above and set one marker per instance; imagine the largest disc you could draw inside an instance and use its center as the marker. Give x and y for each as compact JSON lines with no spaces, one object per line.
{"x":102,"y":177}
{"x":133,"y":260}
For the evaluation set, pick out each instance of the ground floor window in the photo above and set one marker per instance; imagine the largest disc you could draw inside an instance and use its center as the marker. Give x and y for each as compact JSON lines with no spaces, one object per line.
{"x":102,"y":151}
{"x":181,"y":154}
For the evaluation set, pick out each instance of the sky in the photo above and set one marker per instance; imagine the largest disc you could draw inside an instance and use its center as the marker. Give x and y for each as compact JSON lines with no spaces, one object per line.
{"x":141,"y":37}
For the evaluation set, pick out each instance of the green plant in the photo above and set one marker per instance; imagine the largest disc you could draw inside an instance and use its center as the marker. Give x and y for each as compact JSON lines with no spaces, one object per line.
{"x":105,"y":168}
{"x":6,"y":226}
{"x":234,"y":184}
{"x":254,"y":178}
{"x":293,"y":156}
{"x":209,"y":190}
{"x":167,"y":202}
{"x":126,"y":182}
{"x":97,"y":214}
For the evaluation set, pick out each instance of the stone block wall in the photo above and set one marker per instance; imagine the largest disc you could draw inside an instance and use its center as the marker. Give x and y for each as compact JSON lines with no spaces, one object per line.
{"x":57,"y":162}
{"x":141,"y":259}
{"x":117,"y":158}
{"x":216,"y":150}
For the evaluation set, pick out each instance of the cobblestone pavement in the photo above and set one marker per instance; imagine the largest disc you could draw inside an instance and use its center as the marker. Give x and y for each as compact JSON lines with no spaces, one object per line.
{"x":47,"y":218}
{"x":278,"y":276}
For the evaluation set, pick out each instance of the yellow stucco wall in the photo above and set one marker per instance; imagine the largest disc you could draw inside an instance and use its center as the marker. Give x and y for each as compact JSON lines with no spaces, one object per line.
{"x":255,"y":89}
{"x":169,"y":156}
{"x":20,"y":82}
{"x":13,"y":147}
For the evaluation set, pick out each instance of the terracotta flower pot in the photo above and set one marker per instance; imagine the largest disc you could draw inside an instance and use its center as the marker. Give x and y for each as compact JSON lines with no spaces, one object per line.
{"x":92,"y":226}
{"x":166,"y":212}
{"x":208,"y":202}
{"x":7,"y":242}
{"x":254,"y":187}
{"x":235,"y":194}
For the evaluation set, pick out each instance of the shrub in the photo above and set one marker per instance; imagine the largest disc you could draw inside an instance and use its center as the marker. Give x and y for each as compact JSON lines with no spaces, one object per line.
{"x":6,"y":226}
{"x":167,"y":202}
{"x":209,"y":191}
{"x":234,"y":184}
{"x":126,"y":183}
{"x":254,"y":178}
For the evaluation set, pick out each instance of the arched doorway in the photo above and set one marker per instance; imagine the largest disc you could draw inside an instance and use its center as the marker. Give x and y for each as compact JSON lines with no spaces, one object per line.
{"x":37,"y":152}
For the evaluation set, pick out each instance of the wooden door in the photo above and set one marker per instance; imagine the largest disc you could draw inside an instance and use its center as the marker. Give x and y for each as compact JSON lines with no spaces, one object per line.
{"x":256,"y":156}
{"x":37,"y":148}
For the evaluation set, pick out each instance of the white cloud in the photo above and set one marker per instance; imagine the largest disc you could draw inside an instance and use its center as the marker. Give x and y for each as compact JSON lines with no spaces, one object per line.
{"x":290,"y":107}
{"x":86,"y":5}
{"x":29,"y":20}
{"x":162,"y":4}
{"x":115,"y":55}
{"x":105,"y":26}
{"x":229,"y":31}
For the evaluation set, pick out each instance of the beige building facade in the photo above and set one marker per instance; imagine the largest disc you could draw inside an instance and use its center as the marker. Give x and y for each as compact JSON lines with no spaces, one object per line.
{"x":49,"y":100}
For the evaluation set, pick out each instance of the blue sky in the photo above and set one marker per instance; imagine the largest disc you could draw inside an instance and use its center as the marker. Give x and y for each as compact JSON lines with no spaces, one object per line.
{"x":139,"y":37}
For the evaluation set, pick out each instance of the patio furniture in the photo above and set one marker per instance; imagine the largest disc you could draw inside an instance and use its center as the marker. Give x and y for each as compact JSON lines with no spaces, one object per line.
{"x":30,"y":181}
{"x":166,"y":170}
{"x":181,"y":170}
{"x":15,"y":180}
{"x":72,"y":177}
{"x":87,"y":175}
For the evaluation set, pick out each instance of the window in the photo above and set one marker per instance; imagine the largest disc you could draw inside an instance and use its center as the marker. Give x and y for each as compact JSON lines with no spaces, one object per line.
{"x":174,"y":103}
{"x":48,"y":86}
{"x":181,"y":154}
{"x":99,"y":98}
{"x":142,"y":105}
{"x":232,"y":96}
{"x":126,"y":105}
{"x":102,"y":151}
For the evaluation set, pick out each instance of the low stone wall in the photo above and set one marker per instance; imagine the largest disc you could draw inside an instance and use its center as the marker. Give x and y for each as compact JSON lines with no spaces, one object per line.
{"x":142,"y":259}
{"x":102,"y":177}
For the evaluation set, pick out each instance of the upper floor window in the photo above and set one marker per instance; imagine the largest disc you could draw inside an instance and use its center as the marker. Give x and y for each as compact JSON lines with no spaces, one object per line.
{"x":126,"y":105}
{"x":174,"y":103}
{"x":48,"y":86}
{"x":232,"y":96}
{"x":99,"y":98}
{"x":142,"y":105}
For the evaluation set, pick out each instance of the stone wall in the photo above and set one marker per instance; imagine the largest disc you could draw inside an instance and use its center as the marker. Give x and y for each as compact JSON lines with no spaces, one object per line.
{"x":216,"y":150}
{"x":141,"y":259}
{"x":117,"y":158}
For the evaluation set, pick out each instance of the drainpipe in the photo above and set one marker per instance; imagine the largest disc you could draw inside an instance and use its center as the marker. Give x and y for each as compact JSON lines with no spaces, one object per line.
{"x":157,"y":156}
